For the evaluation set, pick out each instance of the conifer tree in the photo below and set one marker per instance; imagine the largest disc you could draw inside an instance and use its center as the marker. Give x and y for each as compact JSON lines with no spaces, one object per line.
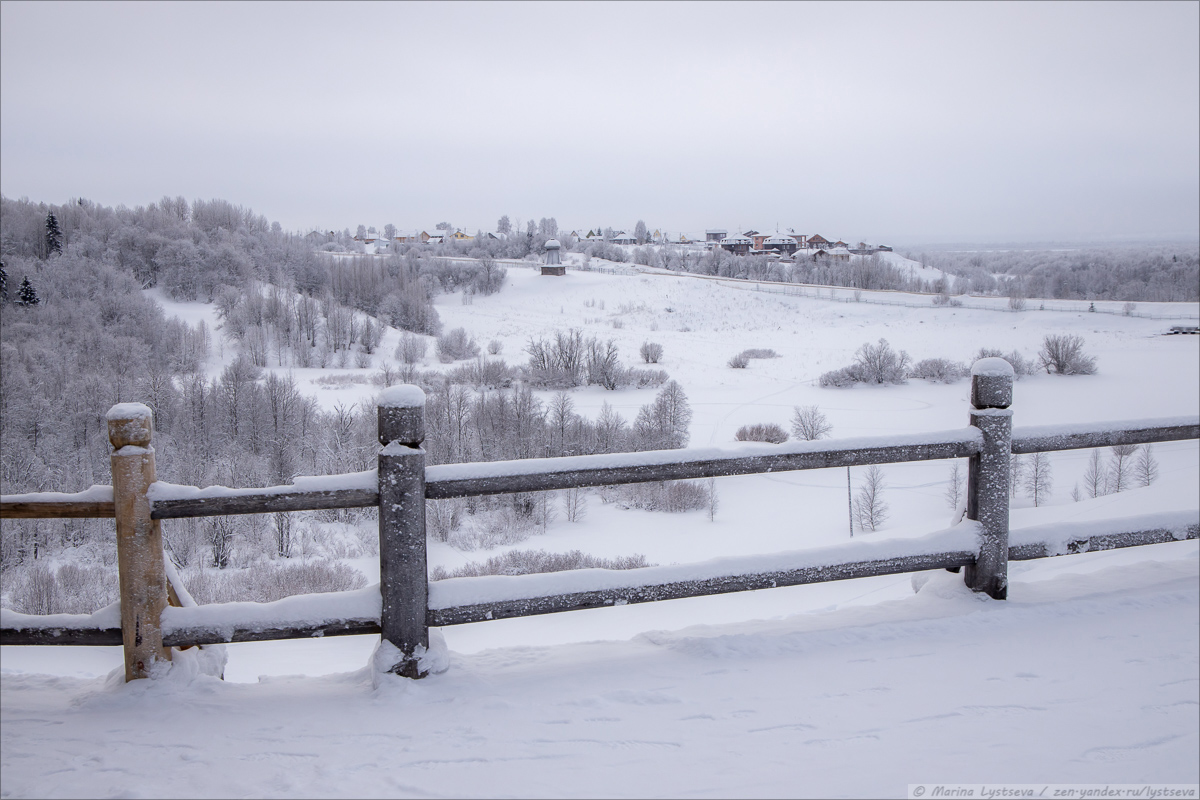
{"x":53,"y":236}
{"x":27,"y":296}
{"x":3,"y":284}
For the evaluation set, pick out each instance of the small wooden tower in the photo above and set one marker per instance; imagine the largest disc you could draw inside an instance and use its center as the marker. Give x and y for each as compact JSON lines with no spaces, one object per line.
{"x":553,"y":265}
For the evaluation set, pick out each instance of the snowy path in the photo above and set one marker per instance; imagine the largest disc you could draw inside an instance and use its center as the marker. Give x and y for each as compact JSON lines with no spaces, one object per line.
{"x":1088,"y":674}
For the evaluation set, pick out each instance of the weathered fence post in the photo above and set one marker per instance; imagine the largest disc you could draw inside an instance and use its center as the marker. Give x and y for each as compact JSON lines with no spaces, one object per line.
{"x":988,"y":474}
{"x":403,"y":579}
{"x":143,"y":580}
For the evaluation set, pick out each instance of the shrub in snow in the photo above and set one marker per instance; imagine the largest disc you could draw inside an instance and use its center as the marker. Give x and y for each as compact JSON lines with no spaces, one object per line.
{"x":651,"y":352}
{"x":264,"y":582}
{"x":809,"y":424}
{"x":941,"y":370}
{"x":455,"y":346}
{"x":483,"y":373}
{"x":673,"y":497}
{"x":760,"y":352}
{"x":530,"y":562}
{"x":645,"y":378}
{"x":495,"y":346}
{"x":739,"y":361}
{"x":411,"y":348}
{"x":1064,"y":355}
{"x":762,"y":432}
{"x":873,"y":363}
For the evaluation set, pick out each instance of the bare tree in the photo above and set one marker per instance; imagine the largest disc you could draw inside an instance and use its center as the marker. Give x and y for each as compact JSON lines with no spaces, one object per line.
{"x":1146,"y":468}
{"x":869,"y":508}
{"x":714,"y":502}
{"x":1094,"y":483}
{"x":1038,"y":482}
{"x":574,"y":504}
{"x":954,"y":492}
{"x":1120,"y":467}
{"x":809,"y":424}
{"x":1016,"y":473}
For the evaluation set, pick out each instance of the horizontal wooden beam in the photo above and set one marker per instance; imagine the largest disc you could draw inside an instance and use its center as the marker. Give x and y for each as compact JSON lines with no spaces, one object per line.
{"x":180,"y":637}
{"x":86,"y":637}
{"x":1107,"y":541}
{"x":460,"y":615}
{"x":541,"y":475}
{"x":57,"y":509}
{"x":267,"y":502}
{"x":1043,"y":439}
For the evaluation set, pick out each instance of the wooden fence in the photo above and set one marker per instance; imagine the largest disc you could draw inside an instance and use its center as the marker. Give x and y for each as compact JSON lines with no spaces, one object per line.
{"x":405,"y":608}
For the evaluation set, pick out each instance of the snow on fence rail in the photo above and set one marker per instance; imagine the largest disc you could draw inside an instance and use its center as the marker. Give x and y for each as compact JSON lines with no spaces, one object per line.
{"x":404,"y":605}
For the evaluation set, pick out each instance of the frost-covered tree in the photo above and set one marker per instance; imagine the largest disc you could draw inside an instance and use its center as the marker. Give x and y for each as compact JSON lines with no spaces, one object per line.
{"x":1038,"y":480}
{"x":1120,"y":467}
{"x":809,"y":423}
{"x":27,"y":295}
{"x":869,"y":508}
{"x":956,"y":487}
{"x":663,"y":424}
{"x":1093,"y":476}
{"x":54,"y":236}
{"x":504,"y":225}
{"x":360,"y":232}
{"x":639,"y":232}
{"x":1145,"y":470}
{"x":1016,"y":473}
{"x":389,"y":231}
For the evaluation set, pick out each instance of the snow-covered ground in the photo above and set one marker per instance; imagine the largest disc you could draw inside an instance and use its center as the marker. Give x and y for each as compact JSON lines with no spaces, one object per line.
{"x":858,"y":688}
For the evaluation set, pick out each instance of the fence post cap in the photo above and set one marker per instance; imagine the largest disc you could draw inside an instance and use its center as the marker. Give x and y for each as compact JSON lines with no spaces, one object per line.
{"x":402,"y":396}
{"x":130,"y":424}
{"x":992,"y":383}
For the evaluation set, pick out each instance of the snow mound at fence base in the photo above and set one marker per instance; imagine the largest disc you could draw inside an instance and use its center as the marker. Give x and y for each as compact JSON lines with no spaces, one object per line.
{"x":1086,"y":674}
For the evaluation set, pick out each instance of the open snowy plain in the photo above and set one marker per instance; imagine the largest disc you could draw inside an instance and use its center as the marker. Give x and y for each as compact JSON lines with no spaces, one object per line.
{"x":1089,"y":673}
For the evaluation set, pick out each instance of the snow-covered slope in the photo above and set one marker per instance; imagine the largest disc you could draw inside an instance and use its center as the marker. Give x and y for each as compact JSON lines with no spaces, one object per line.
{"x":1088,"y":672}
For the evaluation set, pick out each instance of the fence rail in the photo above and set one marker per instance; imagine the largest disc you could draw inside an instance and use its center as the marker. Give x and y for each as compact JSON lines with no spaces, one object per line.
{"x":405,"y":605}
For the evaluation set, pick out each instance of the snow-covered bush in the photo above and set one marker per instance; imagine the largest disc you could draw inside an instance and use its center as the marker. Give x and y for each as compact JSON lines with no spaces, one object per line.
{"x":670,"y":496}
{"x":873,"y":363}
{"x":1063,"y":355}
{"x":456,"y":345}
{"x":71,"y":589}
{"x":739,"y":361}
{"x":644,"y":378}
{"x":651,"y":352}
{"x":939,"y":369}
{"x":762,"y":432}
{"x":760,"y":352}
{"x":265,"y":581}
{"x":528,"y":562}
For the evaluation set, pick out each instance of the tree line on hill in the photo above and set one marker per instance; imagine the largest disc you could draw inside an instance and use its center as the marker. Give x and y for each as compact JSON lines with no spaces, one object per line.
{"x":1157,"y":273}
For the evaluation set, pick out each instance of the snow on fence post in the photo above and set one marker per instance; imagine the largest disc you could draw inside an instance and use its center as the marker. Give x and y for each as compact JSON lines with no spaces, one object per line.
{"x":403,"y":579}
{"x":988,"y":474}
{"x":142,"y":575}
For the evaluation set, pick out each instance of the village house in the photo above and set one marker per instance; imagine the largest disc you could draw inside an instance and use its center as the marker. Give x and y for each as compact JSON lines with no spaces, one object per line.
{"x":780,"y":243}
{"x":738,"y":245}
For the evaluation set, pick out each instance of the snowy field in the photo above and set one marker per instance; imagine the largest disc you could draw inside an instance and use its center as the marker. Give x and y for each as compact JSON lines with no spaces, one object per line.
{"x":1088,"y":673}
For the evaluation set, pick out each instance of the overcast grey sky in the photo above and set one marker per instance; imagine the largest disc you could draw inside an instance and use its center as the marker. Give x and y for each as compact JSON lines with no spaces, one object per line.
{"x":893,"y":121}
